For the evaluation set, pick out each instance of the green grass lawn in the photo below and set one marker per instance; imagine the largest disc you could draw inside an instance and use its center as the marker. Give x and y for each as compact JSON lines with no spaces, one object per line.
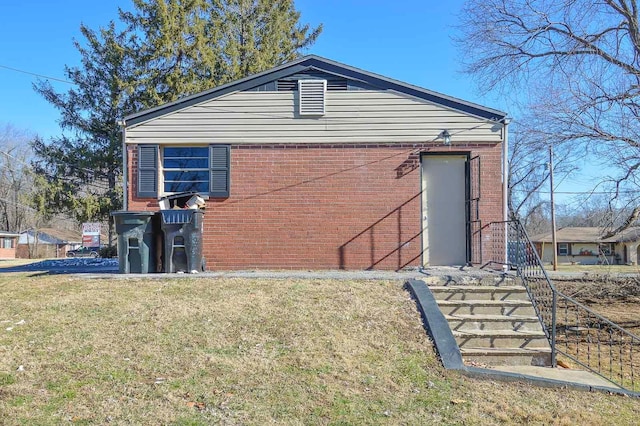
{"x":245,"y":351}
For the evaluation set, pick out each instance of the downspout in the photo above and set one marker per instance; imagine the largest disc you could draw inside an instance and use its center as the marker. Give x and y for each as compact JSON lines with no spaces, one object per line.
{"x":505,"y":186}
{"x":125,"y":171}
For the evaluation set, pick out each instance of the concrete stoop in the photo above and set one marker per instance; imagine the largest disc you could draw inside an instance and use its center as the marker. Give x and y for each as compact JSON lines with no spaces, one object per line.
{"x":494,"y":325}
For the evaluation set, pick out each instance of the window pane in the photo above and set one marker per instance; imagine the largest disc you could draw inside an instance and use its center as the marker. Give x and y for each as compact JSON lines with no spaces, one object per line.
{"x":198,"y":186}
{"x":186,"y":163}
{"x":186,"y":175}
{"x":173,"y":152}
{"x":181,"y":166}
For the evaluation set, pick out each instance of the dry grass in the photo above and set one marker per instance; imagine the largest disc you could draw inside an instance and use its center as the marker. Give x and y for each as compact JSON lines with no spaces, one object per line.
{"x":238,"y":351}
{"x":6,"y":263}
{"x":616,"y":298}
{"x":596,"y":269}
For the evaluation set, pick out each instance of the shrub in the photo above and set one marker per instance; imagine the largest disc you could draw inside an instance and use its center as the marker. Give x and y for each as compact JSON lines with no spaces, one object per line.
{"x":109,"y":252}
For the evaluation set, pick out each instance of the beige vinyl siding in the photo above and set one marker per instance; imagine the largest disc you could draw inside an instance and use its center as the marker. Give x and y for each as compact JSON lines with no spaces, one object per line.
{"x":351,"y":116}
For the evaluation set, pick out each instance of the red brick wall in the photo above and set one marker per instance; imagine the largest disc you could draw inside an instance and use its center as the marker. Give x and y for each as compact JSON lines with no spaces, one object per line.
{"x":7,"y":253}
{"x":319,"y":206}
{"x":42,"y":251}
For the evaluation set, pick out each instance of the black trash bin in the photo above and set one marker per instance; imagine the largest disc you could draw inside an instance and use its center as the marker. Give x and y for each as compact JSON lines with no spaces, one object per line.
{"x":182,"y":240}
{"x":137,"y":235}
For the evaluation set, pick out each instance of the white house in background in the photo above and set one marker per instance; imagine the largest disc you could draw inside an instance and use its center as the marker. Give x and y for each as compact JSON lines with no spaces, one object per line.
{"x":47,"y":243}
{"x":585,"y":245}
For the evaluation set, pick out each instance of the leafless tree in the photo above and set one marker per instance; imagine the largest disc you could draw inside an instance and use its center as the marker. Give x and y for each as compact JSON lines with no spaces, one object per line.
{"x":529,"y":171}
{"x":575,"y":64}
{"x":15,"y":179}
{"x":597,"y":213}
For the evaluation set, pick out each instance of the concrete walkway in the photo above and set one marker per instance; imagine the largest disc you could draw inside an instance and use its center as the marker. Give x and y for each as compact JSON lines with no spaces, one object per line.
{"x":453,"y":274}
{"x":561,"y":374}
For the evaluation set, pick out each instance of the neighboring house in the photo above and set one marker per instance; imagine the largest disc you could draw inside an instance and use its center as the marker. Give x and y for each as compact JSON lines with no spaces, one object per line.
{"x":47,"y":243}
{"x":317,"y":164}
{"x":8,"y":245}
{"x":584,"y":245}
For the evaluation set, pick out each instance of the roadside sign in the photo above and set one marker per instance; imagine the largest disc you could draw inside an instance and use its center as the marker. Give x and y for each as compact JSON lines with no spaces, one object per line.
{"x":91,"y":234}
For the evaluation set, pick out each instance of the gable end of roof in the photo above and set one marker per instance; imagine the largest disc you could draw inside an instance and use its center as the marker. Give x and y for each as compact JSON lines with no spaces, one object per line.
{"x":317,"y":63}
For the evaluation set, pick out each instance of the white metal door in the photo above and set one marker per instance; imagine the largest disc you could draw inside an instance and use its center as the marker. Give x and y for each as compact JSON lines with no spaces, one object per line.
{"x":444,"y":218}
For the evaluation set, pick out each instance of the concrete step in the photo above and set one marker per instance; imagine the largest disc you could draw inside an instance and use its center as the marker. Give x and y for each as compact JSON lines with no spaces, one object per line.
{"x":507,"y":356}
{"x":462,"y":322}
{"x":489,"y":280}
{"x":487,"y":307}
{"x":477,"y":292}
{"x":501,"y":339}
{"x":493,"y":324}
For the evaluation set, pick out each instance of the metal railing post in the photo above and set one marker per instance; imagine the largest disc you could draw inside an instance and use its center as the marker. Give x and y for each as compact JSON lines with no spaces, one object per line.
{"x":517,"y":251}
{"x":554,"y":306}
{"x":506,"y":245}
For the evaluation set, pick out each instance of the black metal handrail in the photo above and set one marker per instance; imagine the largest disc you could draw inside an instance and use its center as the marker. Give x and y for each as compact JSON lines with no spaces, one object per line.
{"x":573,"y":330}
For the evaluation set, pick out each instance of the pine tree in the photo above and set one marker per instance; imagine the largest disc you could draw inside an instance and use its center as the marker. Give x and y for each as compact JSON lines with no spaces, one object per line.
{"x":194,"y":45}
{"x":168,"y":49}
{"x":178,"y":52}
{"x":261,"y":34}
{"x":80,"y":171}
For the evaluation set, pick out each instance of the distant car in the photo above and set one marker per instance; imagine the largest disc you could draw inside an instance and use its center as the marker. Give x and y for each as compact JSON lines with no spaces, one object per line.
{"x":84,"y":252}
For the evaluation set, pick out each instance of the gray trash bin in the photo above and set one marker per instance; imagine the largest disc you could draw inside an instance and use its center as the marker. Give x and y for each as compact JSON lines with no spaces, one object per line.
{"x":137,"y":235}
{"x":182,"y":240}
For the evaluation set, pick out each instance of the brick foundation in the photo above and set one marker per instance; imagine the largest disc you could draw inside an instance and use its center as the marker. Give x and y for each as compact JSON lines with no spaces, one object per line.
{"x":325,"y":206}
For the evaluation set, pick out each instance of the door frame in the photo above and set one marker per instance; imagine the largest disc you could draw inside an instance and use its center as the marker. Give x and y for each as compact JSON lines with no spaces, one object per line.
{"x":466,"y":207}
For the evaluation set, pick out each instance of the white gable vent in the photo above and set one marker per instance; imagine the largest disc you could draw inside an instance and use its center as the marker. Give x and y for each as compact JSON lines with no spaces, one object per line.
{"x":312,"y":96}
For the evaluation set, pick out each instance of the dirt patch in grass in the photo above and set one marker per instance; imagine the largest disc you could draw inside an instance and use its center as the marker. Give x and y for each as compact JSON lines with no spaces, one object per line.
{"x":597,"y":270}
{"x":246,"y":351}
{"x":599,"y":288}
{"x":616,"y":298}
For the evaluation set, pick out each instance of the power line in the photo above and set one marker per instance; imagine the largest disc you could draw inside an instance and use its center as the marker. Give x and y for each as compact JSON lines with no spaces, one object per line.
{"x":96,"y":183}
{"x":84,"y":169}
{"x":453,"y":131}
{"x":15,"y":158}
{"x":577,"y":192}
{"x":37,"y":75}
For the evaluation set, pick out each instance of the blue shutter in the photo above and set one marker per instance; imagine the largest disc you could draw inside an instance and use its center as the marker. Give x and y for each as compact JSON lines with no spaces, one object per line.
{"x":219,"y":161}
{"x":148,"y":171}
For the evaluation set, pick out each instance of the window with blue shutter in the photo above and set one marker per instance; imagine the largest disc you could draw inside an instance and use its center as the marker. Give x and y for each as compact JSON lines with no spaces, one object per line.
{"x":203,"y":169}
{"x":186,"y":168}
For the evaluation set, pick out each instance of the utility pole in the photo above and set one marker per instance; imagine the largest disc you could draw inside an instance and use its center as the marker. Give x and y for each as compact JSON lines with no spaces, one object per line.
{"x":553,"y":212}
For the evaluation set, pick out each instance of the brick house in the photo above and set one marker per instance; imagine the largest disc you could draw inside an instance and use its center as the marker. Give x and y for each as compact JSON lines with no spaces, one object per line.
{"x":316,"y":164}
{"x":8,"y":245}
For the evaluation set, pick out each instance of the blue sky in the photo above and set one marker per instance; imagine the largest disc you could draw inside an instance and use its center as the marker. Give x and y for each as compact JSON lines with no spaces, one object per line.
{"x":409,"y":40}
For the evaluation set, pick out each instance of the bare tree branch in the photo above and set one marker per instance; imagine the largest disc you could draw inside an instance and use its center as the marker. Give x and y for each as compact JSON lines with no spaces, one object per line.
{"x":576,"y":66}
